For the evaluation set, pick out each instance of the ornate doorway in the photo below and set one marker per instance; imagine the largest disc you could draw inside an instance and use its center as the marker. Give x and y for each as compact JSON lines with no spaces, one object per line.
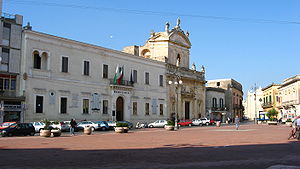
{"x":120,"y":109}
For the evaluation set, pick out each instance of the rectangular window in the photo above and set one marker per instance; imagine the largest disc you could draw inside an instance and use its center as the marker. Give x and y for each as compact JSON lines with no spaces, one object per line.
{"x":147,"y":105}
{"x":146,"y":77}
{"x":85,"y":106}
{"x":105,"y":71}
{"x":6,"y":84}
{"x":39,"y":104}
{"x":13,"y":84}
{"x":64,"y":64}
{"x":63,"y":105}
{"x":86,"y":68}
{"x":161,"y":80}
{"x":135,"y":76}
{"x":5,"y":60}
{"x":134,"y":108}
{"x":105,"y":106}
{"x":161,"y":109}
{"x":6,"y":34}
{"x":1,"y":83}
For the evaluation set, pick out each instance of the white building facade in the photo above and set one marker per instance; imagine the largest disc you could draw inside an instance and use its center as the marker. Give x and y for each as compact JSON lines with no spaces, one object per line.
{"x":289,"y":94}
{"x":215,"y":104}
{"x":253,"y":103}
{"x":64,"y":79}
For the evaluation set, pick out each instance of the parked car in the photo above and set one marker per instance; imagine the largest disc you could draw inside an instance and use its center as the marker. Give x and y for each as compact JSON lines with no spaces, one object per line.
{"x":158,"y":123}
{"x":91,"y":124}
{"x":22,"y":129}
{"x":205,"y":121}
{"x":197,"y":122}
{"x":102,"y":125}
{"x":185,"y":123}
{"x":6,"y":124}
{"x":55,"y":125}
{"x":111,"y":124}
{"x":38,"y":126}
{"x":65,"y":125}
{"x":130,"y":125}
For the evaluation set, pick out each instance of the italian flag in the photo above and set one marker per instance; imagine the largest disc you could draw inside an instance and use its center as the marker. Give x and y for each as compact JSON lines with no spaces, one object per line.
{"x":119,"y":75}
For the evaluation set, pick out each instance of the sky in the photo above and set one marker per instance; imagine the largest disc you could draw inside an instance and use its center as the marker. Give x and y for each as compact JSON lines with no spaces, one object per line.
{"x":255,"y":42}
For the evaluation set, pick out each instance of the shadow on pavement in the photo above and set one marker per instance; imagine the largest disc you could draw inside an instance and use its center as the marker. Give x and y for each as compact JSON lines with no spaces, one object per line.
{"x":171,"y":156}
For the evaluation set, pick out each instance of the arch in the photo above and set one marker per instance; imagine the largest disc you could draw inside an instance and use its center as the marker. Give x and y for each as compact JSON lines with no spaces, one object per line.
{"x":36,"y":59}
{"x":178,"y":60}
{"x":146,"y":53}
{"x":120,"y":109}
{"x":44,"y":61}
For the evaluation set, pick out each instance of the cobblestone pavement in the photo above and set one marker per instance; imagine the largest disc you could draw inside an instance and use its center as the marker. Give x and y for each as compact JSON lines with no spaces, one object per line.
{"x":252,"y":146}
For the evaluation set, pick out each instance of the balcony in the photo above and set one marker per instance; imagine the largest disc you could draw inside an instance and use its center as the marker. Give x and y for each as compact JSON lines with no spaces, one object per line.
{"x":238,"y":106}
{"x":217,"y":109}
{"x":10,"y":95}
{"x":125,"y":83}
{"x":267,"y":105}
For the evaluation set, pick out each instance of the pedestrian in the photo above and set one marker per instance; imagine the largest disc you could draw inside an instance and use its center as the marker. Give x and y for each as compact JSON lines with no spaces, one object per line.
{"x":237,"y":122}
{"x":72,"y":127}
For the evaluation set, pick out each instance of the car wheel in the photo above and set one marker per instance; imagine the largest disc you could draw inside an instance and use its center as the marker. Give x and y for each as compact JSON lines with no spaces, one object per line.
{"x":190,"y":125}
{"x":32,"y":134}
{"x":150,"y":126}
{"x":10,"y":134}
{"x":102,"y":128}
{"x":207,"y":124}
{"x":93,"y":129}
{"x":179,"y":125}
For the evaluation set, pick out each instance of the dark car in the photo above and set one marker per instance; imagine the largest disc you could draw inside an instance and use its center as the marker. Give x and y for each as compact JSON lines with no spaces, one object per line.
{"x":103,"y":125}
{"x":20,"y":129}
{"x":130,"y":125}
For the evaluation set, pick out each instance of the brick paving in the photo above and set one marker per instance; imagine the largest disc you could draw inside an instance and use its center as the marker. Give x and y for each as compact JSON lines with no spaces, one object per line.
{"x":252,"y":146}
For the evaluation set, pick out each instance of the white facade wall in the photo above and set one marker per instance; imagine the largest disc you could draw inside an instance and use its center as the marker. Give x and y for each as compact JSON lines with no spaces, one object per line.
{"x":76,"y":86}
{"x":289,"y":94}
{"x":252,"y":106}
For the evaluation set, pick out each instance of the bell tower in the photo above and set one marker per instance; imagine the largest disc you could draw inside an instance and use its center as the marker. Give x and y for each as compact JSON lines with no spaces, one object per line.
{"x":171,"y":46}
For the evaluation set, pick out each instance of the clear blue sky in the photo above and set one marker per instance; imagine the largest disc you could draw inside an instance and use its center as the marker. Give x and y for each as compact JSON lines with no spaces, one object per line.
{"x":249,"y":51}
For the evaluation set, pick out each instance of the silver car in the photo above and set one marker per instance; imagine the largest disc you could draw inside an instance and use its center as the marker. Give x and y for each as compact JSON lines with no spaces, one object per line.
{"x":158,"y":123}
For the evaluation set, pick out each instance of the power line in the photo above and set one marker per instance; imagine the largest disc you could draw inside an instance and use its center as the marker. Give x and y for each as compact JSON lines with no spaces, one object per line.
{"x":142,"y":12}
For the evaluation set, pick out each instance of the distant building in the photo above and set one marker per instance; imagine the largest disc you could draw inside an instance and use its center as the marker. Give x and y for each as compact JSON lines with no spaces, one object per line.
{"x":289,"y":94}
{"x":233,"y":95}
{"x":271,"y":98}
{"x":253,"y":103}
{"x":215,"y":104}
{"x":11,"y":97}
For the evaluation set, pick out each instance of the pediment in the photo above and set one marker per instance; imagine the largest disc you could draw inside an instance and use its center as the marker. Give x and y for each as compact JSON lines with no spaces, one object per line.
{"x":180,"y":38}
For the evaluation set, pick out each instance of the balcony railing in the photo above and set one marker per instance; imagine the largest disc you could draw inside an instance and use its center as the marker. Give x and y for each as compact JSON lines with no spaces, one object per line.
{"x":123,"y":83}
{"x":267,"y":104}
{"x":7,"y":93}
{"x":218,"y":108}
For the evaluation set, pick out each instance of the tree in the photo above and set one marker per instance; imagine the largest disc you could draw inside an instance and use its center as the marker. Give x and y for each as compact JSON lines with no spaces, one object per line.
{"x":272,"y":114}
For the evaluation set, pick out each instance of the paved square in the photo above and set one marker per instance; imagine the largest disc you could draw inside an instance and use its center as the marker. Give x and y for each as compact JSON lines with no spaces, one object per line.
{"x":252,"y":146}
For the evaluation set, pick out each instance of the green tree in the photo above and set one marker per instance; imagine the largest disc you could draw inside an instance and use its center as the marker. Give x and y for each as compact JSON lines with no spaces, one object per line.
{"x":272,"y":114}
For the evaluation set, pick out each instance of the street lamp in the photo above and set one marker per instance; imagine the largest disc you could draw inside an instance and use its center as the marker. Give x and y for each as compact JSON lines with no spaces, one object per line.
{"x":176,"y":83}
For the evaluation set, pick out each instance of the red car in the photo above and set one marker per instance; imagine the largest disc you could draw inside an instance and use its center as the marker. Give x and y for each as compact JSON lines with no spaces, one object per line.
{"x":185,"y":123}
{"x":6,"y":124}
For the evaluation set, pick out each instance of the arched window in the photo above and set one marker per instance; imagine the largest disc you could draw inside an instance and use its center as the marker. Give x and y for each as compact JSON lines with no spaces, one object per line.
{"x":146,"y":53}
{"x":214,"y":102}
{"x":36,"y":60}
{"x":178,"y":60}
{"x":221,"y":102}
{"x":44,"y":61}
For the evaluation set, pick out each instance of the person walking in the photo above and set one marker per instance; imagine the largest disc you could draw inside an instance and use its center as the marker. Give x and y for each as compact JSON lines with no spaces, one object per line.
{"x":72,"y":127}
{"x":237,"y":122}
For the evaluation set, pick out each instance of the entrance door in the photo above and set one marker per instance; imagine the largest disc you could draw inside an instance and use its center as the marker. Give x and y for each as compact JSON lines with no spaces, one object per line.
{"x":187,"y":110}
{"x":120,"y":109}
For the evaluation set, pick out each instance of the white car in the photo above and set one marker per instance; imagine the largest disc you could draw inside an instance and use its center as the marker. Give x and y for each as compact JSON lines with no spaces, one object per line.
{"x":38,"y":126}
{"x":91,"y":124}
{"x":197,"y":122}
{"x":205,"y":121}
{"x":158,"y":123}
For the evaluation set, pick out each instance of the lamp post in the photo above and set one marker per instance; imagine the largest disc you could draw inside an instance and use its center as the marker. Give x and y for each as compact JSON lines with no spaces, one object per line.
{"x":176,"y":83}
{"x":255,"y":113}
